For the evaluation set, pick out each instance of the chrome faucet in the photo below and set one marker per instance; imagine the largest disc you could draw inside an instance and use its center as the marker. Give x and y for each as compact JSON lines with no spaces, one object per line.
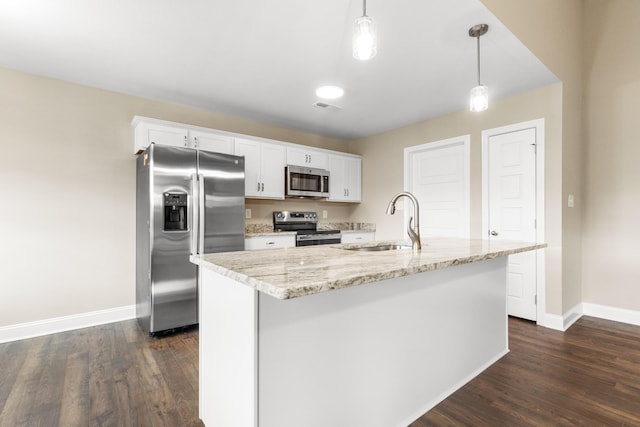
{"x":413,"y":228}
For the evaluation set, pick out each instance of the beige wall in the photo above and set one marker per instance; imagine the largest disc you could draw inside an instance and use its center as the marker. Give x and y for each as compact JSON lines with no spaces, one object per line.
{"x":552,"y":30}
{"x":68,"y":180}
{"x":67,"y":163}
{"x":611,"y":267}
{"x":384,"y":162}
{"x":262,"y":210}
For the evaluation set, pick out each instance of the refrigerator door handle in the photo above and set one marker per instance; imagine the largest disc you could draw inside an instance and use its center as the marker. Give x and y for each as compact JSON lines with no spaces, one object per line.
{"x":195,"y":213}
{"x":201,"y":214}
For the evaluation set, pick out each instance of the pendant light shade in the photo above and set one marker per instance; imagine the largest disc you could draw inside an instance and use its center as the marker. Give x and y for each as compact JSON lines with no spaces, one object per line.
{"x":364,"y":36}
{"x":479,"y":97}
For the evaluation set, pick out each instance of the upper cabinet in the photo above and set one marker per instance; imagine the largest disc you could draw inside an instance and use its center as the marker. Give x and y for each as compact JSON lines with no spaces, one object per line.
{"x":265,"y":159}
{"x":209,"y":141}
{"x":345,"y":178}
{"x":149,"y":131}
{"x":264,"y":168}
{"x":305,"y":156}
{"x":146,"y":133}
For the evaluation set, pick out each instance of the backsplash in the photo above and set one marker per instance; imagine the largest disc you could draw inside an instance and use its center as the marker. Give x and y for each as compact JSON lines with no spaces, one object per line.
{"x":347,"y":226}
{"x":338,"y":214}
{"x":255,"y":228}
{"x":262,"y":210}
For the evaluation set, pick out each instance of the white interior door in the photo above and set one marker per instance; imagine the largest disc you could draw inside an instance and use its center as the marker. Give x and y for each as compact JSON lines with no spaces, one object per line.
{"x":437,"y":174}
{"x":512,"y":211}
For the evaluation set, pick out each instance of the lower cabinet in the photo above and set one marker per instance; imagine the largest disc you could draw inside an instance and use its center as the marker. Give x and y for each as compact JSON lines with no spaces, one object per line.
{"x":269,"y":242}
{"x":358,"y":237}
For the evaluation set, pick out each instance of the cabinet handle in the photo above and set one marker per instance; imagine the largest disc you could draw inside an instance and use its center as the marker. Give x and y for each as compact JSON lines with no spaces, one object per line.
{"x":271,"y":243}
{"x":195,"y":142}
{"x":262,"y":186}
{"x":186,"y":142}
{"x":258,"y":186}
{"x":309,"y":158}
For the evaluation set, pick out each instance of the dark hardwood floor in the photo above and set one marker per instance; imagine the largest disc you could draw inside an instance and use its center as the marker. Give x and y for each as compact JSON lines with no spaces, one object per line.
{"x":110,"y":375}
{"x":587,"y":376}
{"x":115,"y":375}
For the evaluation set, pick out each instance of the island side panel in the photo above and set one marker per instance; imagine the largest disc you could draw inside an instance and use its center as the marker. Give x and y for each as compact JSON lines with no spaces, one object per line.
{"x":380,"y":354}
{"x":227,"y":357}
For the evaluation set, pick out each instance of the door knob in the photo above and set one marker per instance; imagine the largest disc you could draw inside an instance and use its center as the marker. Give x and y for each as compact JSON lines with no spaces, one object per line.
{"x":494,"y":233}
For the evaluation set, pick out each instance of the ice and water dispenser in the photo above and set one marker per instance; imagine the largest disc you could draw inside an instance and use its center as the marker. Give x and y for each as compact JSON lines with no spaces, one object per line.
{"x":175,"y":212}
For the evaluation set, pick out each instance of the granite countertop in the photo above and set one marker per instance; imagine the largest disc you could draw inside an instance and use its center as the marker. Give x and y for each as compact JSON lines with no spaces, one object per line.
{"x":295,"y":272}
{"x":270,"y":233}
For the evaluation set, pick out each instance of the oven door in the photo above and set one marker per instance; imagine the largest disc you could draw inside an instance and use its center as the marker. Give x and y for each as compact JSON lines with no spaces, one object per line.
{"x":318,"y":239}
{"x":306,"y":182}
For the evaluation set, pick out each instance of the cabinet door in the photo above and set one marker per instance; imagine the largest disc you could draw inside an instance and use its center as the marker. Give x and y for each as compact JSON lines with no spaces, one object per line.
{"x":306,"y":157}
{"x":337,"y":188}
{"x":211,"y":142}
{"x":353,"y":179}
{"x":345,"y":181}
{"x":251,"y":152}
{"x":358,"y":237}
{"x":269,"y":242}
{"x":272,"y":163}
{"x":166,"y":135}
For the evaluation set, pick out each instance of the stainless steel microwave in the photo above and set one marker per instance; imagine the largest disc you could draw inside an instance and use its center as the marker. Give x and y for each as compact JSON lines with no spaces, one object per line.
{"x":302,"y":181}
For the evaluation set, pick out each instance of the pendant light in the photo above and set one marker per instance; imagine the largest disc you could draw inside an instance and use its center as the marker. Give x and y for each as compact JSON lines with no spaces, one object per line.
{"x":364,"y":36}
{"x":479,"y":99}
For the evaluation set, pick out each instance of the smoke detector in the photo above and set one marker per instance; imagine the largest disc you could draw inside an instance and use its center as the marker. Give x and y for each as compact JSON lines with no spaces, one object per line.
{"x":326,"y":106}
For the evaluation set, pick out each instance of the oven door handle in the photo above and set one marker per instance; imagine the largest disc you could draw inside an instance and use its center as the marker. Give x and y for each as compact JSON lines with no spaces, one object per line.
{"x":304,"y":237}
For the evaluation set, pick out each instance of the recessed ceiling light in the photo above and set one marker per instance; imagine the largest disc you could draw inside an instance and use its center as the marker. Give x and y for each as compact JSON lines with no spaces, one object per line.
{"x":329,"y":92}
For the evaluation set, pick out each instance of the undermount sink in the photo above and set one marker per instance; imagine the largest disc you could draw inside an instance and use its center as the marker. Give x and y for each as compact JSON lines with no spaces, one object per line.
{"x":378,"y":248}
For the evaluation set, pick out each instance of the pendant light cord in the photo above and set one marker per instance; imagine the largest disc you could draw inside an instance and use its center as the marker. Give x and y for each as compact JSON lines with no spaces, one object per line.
{"x":364,"y":7}
{"x":478,"y":39}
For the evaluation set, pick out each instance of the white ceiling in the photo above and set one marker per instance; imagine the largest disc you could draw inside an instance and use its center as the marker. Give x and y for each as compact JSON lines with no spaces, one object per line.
{"x":263,"y":59}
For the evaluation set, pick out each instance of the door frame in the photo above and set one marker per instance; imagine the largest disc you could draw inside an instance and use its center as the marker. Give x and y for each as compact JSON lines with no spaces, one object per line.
{"x":538,"y":125}
{"x":465,"y":141}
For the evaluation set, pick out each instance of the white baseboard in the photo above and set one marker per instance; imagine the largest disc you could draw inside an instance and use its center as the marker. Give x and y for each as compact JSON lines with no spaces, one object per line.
{"x":572,"y":316}
{"x":66,"y":323}
{"x":84,"y":320}
{"x":631,"y":317}
{"x":552,"y":321}
{"x":561,"y":323}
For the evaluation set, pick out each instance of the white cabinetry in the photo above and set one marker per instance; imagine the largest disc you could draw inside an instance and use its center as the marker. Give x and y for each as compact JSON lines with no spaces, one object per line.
{"x":345,"y":179}
{"x":303,"y":156}
{"x":149,"y":131}
{"x":263,"y":167}
{"x":269,"y":242}
{"x":146,"y":133}
{"x":264,"y":159}
{"x":209,"y":141}
{"x":358,"y":237}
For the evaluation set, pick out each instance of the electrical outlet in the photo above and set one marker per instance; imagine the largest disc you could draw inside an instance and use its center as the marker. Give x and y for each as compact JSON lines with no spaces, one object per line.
{"x":570,"y":201}
{"x":324,"y":214}
{"x":247,"y":213}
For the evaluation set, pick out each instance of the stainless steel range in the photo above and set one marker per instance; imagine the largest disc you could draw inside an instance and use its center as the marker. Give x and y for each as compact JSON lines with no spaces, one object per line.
{"x":305,"y":224}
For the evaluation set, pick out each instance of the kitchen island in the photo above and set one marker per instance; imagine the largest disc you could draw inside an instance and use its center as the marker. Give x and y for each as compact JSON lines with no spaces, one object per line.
{"x":331,"y":336}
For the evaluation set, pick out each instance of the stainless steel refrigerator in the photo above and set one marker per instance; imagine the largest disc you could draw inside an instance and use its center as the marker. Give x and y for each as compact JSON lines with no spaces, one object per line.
{"x":187,"y":202}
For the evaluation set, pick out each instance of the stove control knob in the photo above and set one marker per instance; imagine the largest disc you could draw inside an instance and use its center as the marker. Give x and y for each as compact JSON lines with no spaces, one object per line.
{"x":315,"y":215}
